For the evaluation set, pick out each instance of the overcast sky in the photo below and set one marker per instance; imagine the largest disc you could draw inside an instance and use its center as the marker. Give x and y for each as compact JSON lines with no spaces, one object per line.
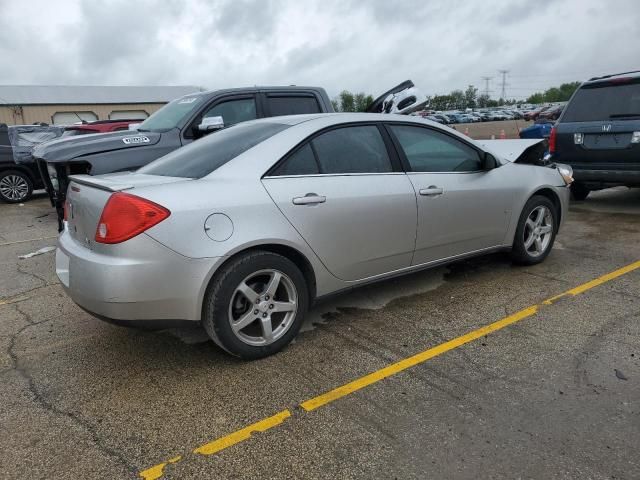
{"x":357,"y":45}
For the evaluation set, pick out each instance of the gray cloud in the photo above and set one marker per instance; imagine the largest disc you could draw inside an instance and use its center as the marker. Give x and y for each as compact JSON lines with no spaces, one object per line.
{"x":362,"y":46}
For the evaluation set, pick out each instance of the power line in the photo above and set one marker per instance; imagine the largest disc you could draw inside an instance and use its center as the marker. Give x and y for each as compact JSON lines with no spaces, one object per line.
{"x":503,"y":91}
{"x":486,"y":81}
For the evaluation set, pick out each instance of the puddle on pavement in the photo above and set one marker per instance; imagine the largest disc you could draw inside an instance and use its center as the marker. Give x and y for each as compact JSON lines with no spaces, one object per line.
{"x":370,"y":297}
{"x":374,"y":296}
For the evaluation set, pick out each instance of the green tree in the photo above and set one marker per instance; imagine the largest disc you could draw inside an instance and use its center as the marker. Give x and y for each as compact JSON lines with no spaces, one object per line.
{"x":349,"y":102}
{"x":554,"y":94}
{"x":470,"y":97}
{"x":457,"y":99}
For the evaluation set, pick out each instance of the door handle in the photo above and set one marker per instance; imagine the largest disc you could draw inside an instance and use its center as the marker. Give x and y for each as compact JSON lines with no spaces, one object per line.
{"x":431,"y":191}
{"x":309,"y":199}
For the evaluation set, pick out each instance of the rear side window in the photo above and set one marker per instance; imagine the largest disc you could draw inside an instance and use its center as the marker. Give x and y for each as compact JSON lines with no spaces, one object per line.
{"x":292,"y":105}
{"x":352,"y":150}
{"x":430,"y":151}
{"x":300,"y":162}
{"x":203,"y":156}
{"x":593,"y":103}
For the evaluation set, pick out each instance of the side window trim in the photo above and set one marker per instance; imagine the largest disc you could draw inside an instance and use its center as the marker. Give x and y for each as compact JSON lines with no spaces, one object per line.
{"x":403,"y":158}
{"x":394,"y":157}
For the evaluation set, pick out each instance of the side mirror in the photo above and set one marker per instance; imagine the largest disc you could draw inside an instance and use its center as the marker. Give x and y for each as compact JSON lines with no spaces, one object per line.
{"x":209,"y":124}
{"x":489,"y":162}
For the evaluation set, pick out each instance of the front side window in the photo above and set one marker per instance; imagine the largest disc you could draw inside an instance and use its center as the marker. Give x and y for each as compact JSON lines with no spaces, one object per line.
{"x":200,"y":158}
{"x":234,"y":111}
{"x":429,"y":151}
{"x":358,"y":149}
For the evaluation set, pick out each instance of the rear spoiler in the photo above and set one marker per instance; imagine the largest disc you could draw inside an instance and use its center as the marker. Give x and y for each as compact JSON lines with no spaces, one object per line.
{"x":101,"y":183}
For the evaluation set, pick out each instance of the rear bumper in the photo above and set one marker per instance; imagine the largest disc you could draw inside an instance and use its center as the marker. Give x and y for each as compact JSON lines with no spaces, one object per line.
{"x":607,"y":177}
{"x":145,"y":282}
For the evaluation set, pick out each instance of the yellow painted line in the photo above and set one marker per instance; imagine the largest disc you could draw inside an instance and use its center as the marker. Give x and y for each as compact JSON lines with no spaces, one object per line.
{"x":157,"y":471}
{"x":227,"y":441}
{"x":421,"y":357}
{"x":316,"y":402}
{"x":27,"y":241}
{"x":242,"y":435}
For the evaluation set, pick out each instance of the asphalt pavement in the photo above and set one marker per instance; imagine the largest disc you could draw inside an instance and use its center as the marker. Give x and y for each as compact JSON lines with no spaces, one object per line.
{"x":459,"y":372}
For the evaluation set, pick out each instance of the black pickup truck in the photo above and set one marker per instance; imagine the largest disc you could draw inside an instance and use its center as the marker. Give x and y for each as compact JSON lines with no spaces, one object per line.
{"x":598,"y":134}
{"x":186,"y":119}
{"x":176,"y":124}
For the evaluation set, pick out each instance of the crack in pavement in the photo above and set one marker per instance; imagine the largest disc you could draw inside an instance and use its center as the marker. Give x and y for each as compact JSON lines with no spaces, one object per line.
{"x":40,"y":399}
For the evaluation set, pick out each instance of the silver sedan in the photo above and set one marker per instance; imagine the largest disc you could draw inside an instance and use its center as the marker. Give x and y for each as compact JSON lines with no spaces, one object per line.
{"x":244,"y":229}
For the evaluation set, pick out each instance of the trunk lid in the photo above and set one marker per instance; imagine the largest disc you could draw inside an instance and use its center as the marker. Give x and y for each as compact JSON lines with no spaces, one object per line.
{"x":88,"y":195}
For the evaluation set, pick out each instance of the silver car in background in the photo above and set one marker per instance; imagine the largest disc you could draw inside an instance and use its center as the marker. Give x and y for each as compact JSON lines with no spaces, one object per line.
{"x":242,"y":230}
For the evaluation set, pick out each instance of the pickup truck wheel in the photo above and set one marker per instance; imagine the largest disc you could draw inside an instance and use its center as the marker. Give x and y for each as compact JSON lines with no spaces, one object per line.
{"x":579,"y":192}
{"x":15,"y":186}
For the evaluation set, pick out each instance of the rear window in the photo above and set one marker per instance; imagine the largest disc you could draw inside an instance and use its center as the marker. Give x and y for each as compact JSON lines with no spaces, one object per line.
{"x":203,"y":156}
{"x":593,"y":103}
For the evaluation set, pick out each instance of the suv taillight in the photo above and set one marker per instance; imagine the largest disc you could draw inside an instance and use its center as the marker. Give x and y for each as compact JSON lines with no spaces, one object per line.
{"x":125,"y":216}
{"x":552,"y":141}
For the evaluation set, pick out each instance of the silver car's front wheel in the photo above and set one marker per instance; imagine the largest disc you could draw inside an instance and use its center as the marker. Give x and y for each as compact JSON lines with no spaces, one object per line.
{"x":255,"y":304}
{"x":536,"y":231}
{"x":263,"y":307}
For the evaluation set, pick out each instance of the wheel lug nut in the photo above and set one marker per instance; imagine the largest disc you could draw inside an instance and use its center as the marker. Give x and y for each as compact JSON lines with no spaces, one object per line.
{"x":264,"y":315}
{"x":255,"y":312}
{"x":271,"y":306}
{"x":266,"y":297}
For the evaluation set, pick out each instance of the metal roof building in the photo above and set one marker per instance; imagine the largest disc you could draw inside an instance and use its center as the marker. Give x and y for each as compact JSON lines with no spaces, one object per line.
{"x":57,"y":104}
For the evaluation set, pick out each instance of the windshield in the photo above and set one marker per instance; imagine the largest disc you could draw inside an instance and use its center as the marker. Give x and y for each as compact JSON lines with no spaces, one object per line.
{"x":607,"y":102}
{"x":202,"y":157}
{"x":171,"y":114}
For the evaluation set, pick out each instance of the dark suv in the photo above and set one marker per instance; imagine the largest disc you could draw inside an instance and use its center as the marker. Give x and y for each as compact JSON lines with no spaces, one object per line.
{"x":598,"y":134}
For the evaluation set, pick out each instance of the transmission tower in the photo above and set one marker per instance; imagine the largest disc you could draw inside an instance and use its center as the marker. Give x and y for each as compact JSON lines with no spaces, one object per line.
{"x":486,"y":81}
{"x":503,"y":91}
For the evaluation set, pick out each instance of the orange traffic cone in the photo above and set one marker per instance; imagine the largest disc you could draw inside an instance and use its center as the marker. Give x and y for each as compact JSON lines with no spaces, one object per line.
{"x":466,"y":131}
{"x":503,"y":135}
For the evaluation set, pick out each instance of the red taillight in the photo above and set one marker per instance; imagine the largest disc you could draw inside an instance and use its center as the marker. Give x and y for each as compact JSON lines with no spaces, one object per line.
{"x":552,"y":140}
{"x":66,"y":210}
{"x":125,"y":216}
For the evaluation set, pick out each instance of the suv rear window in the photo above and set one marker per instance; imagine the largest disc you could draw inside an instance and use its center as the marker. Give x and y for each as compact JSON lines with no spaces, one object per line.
{"x":597,"y":102}
{"x":203,"y":156}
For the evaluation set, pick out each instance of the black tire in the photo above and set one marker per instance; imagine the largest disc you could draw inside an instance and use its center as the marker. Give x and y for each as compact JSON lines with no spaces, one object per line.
{"x":520,"y":254}
{"x":8,"y":178}
{"x":221,"y":291}
{"x":579,"y":192}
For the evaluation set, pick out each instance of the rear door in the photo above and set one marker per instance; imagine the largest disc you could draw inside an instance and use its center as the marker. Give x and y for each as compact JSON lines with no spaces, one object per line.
{"x":595,"y":131}
{"x":461,"y":207}
{"x":344,"y":193}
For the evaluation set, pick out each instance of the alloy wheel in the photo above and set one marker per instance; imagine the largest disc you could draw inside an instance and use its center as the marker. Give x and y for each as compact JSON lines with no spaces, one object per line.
{"x":14,"y":187}
{"x":538,"y":231}
{"x":263,"y":307}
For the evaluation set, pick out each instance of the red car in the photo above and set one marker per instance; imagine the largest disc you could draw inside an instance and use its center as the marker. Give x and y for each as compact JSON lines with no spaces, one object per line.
{"x":99,"y":126}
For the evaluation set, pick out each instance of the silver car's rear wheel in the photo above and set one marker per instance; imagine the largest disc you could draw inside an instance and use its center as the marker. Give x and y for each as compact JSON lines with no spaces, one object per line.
{"x":263,"y":307}
{"x":255,"y":304}
{"x":538,"y":231}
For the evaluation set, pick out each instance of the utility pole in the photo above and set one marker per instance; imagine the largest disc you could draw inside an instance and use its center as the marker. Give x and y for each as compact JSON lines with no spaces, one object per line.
{"x":486,"y":81}
{"x":503,"y":91}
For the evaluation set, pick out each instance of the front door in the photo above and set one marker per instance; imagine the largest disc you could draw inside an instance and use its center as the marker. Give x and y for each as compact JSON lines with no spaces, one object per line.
{"x":345,"y":198}
{"x":462,"y":208}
